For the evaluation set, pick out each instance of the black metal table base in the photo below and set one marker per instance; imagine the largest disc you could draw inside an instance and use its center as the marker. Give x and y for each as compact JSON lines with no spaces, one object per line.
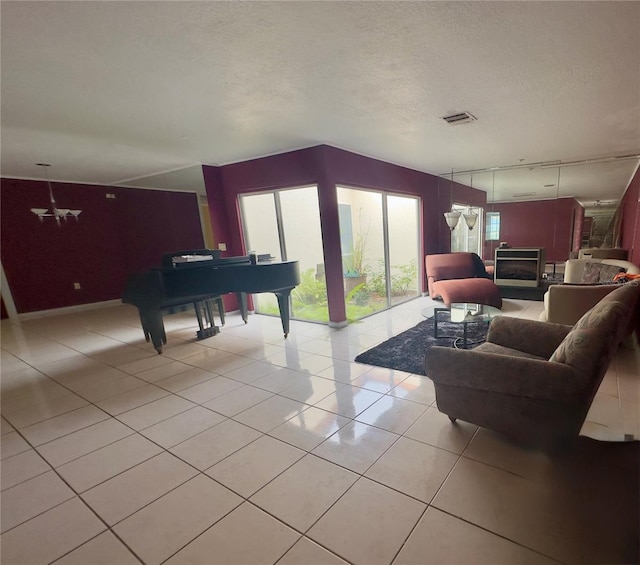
{"x":456,"y":340}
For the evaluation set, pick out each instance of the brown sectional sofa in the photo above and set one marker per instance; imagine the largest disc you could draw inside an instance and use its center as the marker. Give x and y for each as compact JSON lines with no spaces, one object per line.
{"x":582,"y":289}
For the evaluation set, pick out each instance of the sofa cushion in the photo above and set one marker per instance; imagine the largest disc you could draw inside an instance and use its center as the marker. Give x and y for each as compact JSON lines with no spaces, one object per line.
{"x":590,"y":344}
{"x":475,"y":290}
{"x":591,"y":272}
{"x":607,"y":272}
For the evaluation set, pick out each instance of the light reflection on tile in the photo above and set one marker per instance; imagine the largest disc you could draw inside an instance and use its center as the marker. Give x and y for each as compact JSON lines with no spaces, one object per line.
{"x":309,"y":428}
{"x":349,"y":401}
{"x":392,"y":414}
{"x":356,"y":446}
{"x":384,"y":423}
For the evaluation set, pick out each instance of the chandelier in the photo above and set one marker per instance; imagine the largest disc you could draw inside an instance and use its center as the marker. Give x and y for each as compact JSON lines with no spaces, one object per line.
{"x":452,"y":216}
{"x":55,"y":212}
{"x":470,"y":217}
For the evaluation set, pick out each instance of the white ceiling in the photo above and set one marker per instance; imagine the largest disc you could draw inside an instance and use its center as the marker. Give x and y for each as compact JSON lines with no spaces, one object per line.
{"x":108,"y":91}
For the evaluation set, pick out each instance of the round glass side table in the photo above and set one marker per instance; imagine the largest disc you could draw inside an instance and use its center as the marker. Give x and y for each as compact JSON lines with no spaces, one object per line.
{"x":461,"y":313}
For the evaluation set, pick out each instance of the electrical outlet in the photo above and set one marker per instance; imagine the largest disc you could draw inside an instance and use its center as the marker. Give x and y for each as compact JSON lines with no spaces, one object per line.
{"x":76,"y":286}
{"x":222,"y":246}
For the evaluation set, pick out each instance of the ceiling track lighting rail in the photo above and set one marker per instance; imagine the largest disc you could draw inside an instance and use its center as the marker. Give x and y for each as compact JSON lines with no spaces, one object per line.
{"x":550,"y":164}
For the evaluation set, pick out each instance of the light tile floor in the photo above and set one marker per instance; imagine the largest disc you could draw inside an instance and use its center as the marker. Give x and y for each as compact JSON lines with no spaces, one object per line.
{"x":246,"y":448}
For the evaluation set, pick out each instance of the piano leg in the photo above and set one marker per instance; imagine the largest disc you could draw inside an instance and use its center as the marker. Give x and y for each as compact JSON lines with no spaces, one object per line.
{"x":211,"y":329}
{"x":153,"y":327}
{"x":143,"y":323}
{"x":220,"y":305}
{"x":242,"y":302}
{"x":283,"y":304}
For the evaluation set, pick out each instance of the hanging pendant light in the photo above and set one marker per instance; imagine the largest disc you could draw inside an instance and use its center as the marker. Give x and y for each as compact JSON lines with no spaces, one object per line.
{"x":57,"y":213}
{"x":452,"y":216}
{"x":470,"y":217}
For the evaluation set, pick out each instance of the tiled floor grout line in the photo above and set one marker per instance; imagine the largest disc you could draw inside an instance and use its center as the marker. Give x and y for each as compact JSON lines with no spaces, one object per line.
{"x":134,"y":431}
{"x":442,"y":484}
{"x":79,"y":497}
{"x":498,"y":535}
{"x":267,"y":433}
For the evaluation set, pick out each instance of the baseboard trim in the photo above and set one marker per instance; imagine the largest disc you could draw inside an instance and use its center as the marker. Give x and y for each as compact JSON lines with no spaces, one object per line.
{"x":69,"y":309}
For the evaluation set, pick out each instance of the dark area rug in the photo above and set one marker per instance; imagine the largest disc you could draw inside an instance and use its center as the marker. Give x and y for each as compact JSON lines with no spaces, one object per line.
{"x":405,"y":351}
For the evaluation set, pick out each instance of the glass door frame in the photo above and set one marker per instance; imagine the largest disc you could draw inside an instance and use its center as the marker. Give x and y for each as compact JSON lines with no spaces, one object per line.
{"x":278,"y":209}
{"x":280,"y":227}
{"x":385,"y":235}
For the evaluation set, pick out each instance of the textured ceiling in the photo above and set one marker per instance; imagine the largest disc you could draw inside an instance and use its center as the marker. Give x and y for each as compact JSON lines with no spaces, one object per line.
{"x":108,"y":92}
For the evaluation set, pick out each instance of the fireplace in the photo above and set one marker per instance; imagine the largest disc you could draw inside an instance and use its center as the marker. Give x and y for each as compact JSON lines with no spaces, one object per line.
{"x":519,"y":267}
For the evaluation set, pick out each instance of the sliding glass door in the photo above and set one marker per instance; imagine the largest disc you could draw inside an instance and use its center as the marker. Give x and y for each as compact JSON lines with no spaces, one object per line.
{"x":286,"y":223}
{"x":379,"y":235}
{"x":404,"y":250}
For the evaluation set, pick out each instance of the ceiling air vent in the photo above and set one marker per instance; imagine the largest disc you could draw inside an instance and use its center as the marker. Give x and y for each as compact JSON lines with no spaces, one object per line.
{"x":459,"y":118}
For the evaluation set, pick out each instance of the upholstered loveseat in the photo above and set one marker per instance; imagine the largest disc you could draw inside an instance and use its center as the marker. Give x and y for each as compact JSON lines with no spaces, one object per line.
{"x":460,"y":277}
{"x":586,"y":282}
{"x":531,"y":380}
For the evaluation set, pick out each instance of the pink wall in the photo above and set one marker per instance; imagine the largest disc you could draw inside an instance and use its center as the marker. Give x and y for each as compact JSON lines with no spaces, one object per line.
{"x":327,"y":167}
{"x":112,"y":238}
{"x":630,"y":229}
{"x":540,"y":223}
{"x":130,"y":233}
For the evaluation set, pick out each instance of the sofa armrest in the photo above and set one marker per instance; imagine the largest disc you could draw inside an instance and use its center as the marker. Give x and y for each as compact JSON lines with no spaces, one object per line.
{"x":531,"y":336}
{"x":567,"y":303}
{"x":574,"y":269}
{"x":503,"y":374}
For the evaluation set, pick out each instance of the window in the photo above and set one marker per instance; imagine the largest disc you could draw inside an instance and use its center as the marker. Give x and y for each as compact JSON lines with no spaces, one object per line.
{"x":493,"y":226}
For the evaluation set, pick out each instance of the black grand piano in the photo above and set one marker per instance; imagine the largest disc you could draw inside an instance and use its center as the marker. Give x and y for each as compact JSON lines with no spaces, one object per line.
{"x":199,"y":277}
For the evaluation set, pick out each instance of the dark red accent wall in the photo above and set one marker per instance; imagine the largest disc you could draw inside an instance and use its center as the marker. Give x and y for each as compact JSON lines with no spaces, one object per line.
{"x":630,"y":228}
{"x":327,"y":167}
{"x":112,"y":238}
{"x":540,"y":223}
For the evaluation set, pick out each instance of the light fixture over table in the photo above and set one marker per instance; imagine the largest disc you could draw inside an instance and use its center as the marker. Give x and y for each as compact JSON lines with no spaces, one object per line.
{"x":471,"y":217}
{"x":452,"y":216}
{"x":55,"y":212}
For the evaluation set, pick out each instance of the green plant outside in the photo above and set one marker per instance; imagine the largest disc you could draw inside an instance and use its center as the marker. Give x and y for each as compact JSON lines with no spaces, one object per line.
{"x":309,"y":298}
{"x":353,"y":262}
